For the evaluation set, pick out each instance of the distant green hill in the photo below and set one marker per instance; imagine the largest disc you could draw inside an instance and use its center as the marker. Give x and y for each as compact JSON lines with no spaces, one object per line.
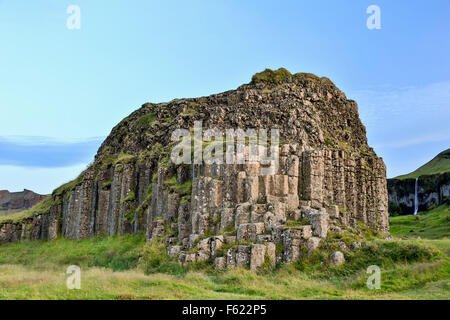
{"x":439,"y":164}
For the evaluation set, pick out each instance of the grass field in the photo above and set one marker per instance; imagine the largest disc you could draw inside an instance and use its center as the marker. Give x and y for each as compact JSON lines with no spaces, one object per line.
{"x":431,"y":224}
{"x":118,"y":268}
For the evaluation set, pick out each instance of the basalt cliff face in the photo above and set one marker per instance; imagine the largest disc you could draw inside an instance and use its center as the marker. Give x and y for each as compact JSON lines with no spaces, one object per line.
{"x":328,"y":178}
{"x":431,"y":190}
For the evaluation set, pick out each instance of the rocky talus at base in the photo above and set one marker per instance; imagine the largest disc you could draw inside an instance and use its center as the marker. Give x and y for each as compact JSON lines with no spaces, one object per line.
{"x":328,"y":179}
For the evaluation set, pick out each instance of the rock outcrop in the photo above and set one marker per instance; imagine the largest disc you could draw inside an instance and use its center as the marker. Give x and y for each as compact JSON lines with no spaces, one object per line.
{"x":327,"y":177}
{"x":337,"y":258}
{"x":11,"y":202}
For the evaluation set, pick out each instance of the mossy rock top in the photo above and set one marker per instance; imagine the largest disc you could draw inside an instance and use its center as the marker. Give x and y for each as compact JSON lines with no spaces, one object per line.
{"x":281,"y":75}
{"x":271,"y":76}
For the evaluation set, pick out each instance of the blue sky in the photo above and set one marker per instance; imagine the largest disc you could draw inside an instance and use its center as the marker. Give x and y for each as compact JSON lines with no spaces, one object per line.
{"x":62,"y":91}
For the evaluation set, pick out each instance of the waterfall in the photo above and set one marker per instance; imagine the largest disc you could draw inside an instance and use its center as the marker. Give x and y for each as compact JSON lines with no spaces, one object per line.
{"x":416,"y":200}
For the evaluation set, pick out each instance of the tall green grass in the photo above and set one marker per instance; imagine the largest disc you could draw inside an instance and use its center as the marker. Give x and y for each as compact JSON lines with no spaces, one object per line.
{"x":126,"y":267}
{"x":116,"y":253}
{"x":431,"y":224}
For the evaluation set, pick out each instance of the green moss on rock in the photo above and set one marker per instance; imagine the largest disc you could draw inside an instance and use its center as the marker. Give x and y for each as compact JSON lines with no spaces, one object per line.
{"x":130,"y":197}
{"x":271,"y":76}
{"x":106,"y":185}
{"x":145,"y":121}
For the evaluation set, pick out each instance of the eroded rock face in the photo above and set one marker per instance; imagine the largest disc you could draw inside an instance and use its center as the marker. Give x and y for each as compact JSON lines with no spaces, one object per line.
{"x":312,"y":244}
{"x":320,"y":222}
{"x":327,"y":177}
{"x":220,"y":263}
{"x":11,"y":202}
{"x":173,"y":251}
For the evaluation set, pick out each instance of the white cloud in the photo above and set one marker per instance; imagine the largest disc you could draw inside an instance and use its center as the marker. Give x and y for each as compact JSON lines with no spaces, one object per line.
{"x":42,"y":140}
{"x":398,"y":117}
{"x":385,"y":103}
{"x":415,"y":140}
{"x":45,"y":152}
{"x":406,"y":126}
{"x":40,"y":180}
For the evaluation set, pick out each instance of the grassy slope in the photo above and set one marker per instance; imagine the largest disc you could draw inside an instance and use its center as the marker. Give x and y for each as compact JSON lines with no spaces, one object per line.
{"x":36,"y":270}
{"x":41,"y":207}
{"x":439,"y":164}
{"x":431,"y":224}
{"x":8,"y":212}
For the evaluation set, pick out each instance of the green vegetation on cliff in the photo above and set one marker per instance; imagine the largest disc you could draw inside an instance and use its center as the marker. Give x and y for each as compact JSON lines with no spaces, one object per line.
{"x":439,"y":164}
{"x":281,"y":74}
{"x":42,"y":207}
